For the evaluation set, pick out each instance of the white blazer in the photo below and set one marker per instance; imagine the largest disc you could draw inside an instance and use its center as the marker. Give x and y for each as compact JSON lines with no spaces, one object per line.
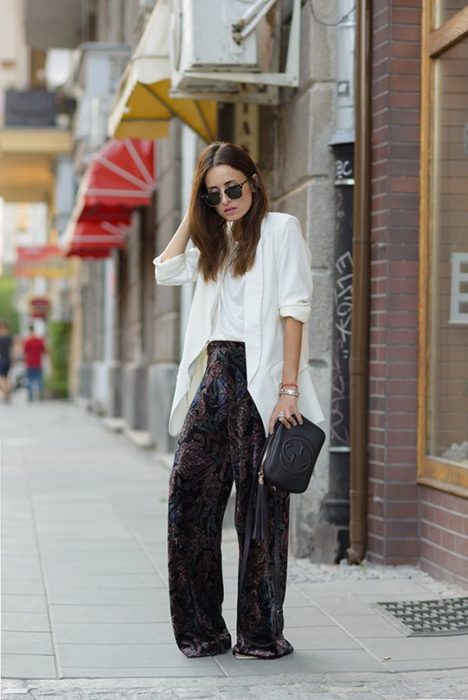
{"x":279,"y":284}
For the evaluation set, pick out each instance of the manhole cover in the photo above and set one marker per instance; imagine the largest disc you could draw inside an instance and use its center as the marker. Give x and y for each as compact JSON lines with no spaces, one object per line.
{"x":424,"y":618}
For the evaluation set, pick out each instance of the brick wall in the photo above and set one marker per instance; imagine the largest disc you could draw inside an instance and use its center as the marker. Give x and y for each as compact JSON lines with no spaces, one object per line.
{"x":444,"y":535}
{"x":393,"y":494}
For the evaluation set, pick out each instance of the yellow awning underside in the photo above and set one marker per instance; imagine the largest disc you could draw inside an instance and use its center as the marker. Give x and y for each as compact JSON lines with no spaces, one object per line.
{"x":144,"y":106}
{"x":27,"y":159}
{"x":146,"y":110}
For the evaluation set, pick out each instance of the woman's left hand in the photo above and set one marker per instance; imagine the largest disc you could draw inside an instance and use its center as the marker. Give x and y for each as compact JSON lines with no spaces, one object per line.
{"x":286,"y":411}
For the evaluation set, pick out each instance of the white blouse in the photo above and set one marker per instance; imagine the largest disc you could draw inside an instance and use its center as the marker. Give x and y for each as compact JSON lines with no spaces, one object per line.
{"x":228,"y":315}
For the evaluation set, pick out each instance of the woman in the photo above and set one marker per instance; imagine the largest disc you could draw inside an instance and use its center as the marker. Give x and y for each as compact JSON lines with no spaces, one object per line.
{"x":245,"y":343}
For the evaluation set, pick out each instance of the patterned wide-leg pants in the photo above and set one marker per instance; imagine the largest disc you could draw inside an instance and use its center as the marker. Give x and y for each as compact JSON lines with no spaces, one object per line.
{"x":220,"y":443}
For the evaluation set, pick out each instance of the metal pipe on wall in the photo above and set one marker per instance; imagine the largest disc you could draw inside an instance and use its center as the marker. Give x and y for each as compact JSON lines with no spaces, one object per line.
{"x":336,"y":503}
{"x":360,"y":323}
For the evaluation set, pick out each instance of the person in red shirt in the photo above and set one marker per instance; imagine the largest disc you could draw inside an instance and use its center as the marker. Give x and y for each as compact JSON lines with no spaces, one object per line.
{"x":33,"y":349}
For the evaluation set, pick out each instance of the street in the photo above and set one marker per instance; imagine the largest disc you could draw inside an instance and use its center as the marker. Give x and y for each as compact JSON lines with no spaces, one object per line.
{"x":84,"y":588}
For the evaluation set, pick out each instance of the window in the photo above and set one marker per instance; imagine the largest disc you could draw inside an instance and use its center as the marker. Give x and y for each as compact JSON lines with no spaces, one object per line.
{"x":443,"y":386}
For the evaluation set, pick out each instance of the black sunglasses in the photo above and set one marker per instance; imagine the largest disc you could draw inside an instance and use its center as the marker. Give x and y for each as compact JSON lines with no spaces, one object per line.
{"x":233,"y":192}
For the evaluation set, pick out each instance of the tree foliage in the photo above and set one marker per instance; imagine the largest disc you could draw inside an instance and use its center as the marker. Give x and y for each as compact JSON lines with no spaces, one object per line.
{"x":58,"y":342}
{"x":8,"y":311}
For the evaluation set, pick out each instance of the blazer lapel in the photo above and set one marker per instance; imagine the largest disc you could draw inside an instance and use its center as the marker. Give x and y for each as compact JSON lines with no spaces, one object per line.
{"x":253,"y":308}
{"x":197,"y":337}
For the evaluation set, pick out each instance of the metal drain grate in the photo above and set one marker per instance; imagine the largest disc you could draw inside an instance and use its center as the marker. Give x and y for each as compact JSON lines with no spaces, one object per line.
{"x":426,"y":618}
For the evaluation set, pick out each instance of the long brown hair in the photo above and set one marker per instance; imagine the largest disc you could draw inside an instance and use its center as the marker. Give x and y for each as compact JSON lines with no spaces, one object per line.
{"x":208,"y":230}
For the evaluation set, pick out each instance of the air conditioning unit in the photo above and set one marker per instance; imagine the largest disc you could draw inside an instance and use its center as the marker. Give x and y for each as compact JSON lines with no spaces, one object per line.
{"x":228,"y":50}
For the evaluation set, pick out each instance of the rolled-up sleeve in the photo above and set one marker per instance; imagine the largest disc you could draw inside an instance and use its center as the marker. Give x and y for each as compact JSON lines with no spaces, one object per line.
{"x":294,"y":273}
{"x":177,"y":270}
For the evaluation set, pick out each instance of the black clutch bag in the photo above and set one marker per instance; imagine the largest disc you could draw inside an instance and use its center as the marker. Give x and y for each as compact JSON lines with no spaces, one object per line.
{"x":290,"y":455}
{"x":287,"y":463}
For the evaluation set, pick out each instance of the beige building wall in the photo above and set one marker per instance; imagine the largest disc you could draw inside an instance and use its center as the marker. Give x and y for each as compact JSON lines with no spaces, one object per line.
{"x":14,"y":54}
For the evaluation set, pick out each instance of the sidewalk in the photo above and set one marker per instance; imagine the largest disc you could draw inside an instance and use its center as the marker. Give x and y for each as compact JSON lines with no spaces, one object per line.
{"x":85,"y":585}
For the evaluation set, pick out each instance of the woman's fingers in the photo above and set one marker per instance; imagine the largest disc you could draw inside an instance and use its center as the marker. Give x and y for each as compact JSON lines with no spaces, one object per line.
{"x":287,"y":413}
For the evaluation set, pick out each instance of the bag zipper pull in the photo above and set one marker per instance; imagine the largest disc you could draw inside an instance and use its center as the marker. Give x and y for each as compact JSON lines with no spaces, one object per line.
{"x":260,"y":475}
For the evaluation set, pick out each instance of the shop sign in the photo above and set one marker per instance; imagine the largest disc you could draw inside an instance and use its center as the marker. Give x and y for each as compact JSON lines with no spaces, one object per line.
{"x":39,"y":307}
{"x":459,"y":289}
{"x":41,"y":261}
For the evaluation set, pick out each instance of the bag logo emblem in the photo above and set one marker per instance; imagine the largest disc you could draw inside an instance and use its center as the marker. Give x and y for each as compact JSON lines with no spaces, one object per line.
{"x":296,"y":454}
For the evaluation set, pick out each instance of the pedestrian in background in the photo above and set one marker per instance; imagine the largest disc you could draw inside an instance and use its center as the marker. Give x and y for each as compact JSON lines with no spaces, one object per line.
{"x":34,"y":349}
{"x":244,"y":366}
{"x":6,"y":345}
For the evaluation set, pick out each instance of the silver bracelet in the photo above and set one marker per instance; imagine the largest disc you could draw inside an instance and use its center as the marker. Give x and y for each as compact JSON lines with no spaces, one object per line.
{"x":288,"y":392}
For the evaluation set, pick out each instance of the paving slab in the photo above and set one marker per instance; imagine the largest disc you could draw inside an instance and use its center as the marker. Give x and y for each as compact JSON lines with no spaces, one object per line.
{"x":109,"y":613}
{"x":22,"y":567}
{"x":305,"y":661}
{"x":419,"y":648}
{"x":328,"y":637}
{"x":341,"y":605}
{"x":210,"y":670}
{"x":14,"y":642}
{"x":113,"y":633}
{"x":130,"y":655}
{"x":108,"y":581}
{"x":437,"y":664}
{"x":24,"y":603}
{"x":57,"y":594}
{"x":28,"y":666}
{"x":16,"y":586}
{"x":27,"y":622}
{"x":362,"y":626}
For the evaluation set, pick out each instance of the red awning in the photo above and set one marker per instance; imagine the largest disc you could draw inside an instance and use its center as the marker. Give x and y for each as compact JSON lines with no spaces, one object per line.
{"x":92,"y":239}
{"x":121,"y":177}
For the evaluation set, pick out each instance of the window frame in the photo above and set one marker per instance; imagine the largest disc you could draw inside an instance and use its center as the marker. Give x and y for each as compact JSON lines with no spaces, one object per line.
{"x":435,"y":472}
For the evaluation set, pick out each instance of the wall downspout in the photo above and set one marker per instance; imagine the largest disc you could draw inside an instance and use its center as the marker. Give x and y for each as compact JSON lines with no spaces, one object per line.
{"x":360,"y":321}
{"x":336,"y":502}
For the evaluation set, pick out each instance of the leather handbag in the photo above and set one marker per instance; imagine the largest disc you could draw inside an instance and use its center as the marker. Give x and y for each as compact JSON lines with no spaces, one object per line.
{"x":290,"y":455}
{"x":288,"y":460}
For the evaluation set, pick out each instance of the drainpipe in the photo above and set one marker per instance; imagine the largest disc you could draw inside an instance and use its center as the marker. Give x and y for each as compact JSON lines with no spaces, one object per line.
{"x":336,"y":503}
{"x":360,"y":323}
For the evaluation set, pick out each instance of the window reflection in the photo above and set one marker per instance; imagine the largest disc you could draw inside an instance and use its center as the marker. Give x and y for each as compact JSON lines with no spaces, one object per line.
{"x":448,"y":311}
{"x":444,"y":9}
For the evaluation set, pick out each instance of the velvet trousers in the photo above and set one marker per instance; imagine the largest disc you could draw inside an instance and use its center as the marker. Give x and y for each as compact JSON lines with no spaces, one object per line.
{"x":220,"y":445}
